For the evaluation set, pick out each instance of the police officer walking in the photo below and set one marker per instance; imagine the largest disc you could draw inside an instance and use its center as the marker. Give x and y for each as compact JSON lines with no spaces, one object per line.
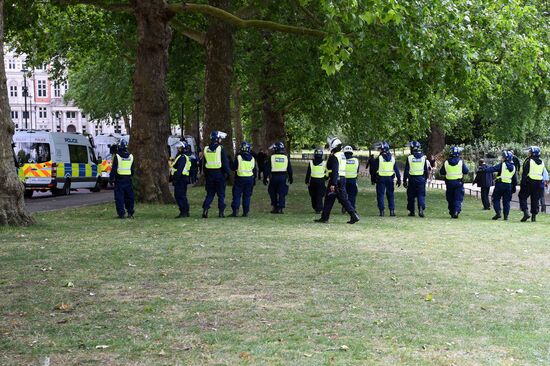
{"x":386,"y":172}
{"x":246,"y":170}
{"x":336,"y":188}
{"x":315,"y":180}
{"x":414,"y":179}
{"x":532,"y":184}
{"x":121,"y":174}
{"x":454,"y":170}
{"x":278,"y":170}
{"x":505,"y":185}
{"x":180,"y":171}
{"x":352,"y":171}
{"x":216,"y":172}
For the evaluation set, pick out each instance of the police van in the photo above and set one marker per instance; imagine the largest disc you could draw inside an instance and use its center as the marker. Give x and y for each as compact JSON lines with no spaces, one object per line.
{"x":55,"y":161}
{"x":106,"y":146}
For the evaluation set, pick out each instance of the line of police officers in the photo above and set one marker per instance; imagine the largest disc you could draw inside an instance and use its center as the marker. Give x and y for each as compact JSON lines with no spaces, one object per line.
{"x":331,"y":180}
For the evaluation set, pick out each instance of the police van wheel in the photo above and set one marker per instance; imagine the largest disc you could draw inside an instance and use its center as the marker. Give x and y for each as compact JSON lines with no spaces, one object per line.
{"x":28,"y":193}
{"x":66,"y":190}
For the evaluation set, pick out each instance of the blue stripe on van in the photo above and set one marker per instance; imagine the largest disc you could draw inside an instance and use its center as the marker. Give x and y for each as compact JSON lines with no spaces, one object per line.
{"x":94,"y":170}
{"x":68,"y":169}
{"x":81,"y":170}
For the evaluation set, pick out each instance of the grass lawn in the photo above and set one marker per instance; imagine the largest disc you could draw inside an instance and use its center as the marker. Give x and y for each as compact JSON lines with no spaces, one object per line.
{"x":276,"y":289}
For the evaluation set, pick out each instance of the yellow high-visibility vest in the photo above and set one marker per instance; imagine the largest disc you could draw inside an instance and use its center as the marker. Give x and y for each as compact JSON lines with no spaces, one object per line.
{"x":506,"y":175}
{"x":124,"y":165}
{"x":416,"y":166}
{"x":245,"y":168}
{"x":186,"y":167}
{"x":352,"y":166}
{"x":535,"y":170}
{"x":385,"y":168}
{"x":213,"y":158}
{"x":318,"y":171}
{"x":279,"y":163}
{"x":342,"y":163}
{"x":454,"y":172}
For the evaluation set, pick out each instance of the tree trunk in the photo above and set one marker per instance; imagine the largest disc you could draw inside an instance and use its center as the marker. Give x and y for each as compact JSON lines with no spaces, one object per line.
{"x":237,"y":124}
{"x":151,"y":117}
{"x":12,"y":203}
{"x":436,"y":140}
{"x":273,"y":124}
{"x":218,"y":77}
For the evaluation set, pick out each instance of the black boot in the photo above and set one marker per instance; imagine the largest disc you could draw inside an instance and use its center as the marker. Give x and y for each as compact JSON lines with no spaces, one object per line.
{"x":280,"y":211}
{"x":245,"y":214}
{"x":534,"y":218}
{"x":205,"y":213}
{"x":392,"y":213}
{"x":221,"y":214}
{"x":186,"y":214}
{"x":318,"y":212}
{"x":181,"y":215}
{"x":411,"y":214}
{"x":497,"y":216}
{"x":234,"y":213}
{"x":525,"y":216}
{"x":454,"y":215}
{"x":321,"y":221}
{"x":353,"y":218}
{"x":505,"y":217}
{"x":421,"y":212}
{"x":382,"y":213}
{"x":274,"y":210}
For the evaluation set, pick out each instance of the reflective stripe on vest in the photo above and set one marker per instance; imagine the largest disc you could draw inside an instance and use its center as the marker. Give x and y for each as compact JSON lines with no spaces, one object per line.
{"x":342,"y":164}
{"x":385,"y":168}
{"x":186,"y":168}
{"x":506,"y":175}
{"x":124,"y":165}
{"x":245,"y":168}
{"x":416,"y":166}
{"x":318,"y":171}
{"x":454,"y":172}
{"x":213,"y":158}
{"x":352,"y":165}
{"x":279,"y":163}
{"x":535,"y":170}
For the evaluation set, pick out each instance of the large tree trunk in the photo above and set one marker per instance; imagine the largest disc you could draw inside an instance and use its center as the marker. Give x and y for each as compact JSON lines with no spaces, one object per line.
{"x":218,"y":77}
{"x":12,"y":203}
{"x":237,"y":124}
{"x":436,"y":140}
{"x":151,"y":117}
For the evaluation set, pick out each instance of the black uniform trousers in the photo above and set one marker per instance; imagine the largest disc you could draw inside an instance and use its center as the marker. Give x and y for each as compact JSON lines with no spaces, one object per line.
{"x":317,"y":191}
{"x":339,"y":194}
{"x":533,"y":189}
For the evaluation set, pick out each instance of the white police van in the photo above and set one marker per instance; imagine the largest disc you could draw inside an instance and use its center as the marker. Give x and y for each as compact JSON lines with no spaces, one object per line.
{"x":55,"y":161}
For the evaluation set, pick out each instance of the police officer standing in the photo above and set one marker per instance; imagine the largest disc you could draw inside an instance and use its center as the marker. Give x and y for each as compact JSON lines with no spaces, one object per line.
{"x":352,"y":171}
{"x":532,"y":184}
{"x":414,"y":179}
{"x":246,"y":170}
{"x":505,"y":185}
{"x":454,"y":170}
{"x":121,"y":174}
{"x":315,"y":180}
{"x":386,"y":172}
{"x":277,"y":171}
{"x":180,"y":171}
{"x":336,"y":188}
{"x":216,"y":172}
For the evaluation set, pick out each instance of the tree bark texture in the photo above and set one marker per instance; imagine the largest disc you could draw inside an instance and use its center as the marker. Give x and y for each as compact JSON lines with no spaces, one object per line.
{"x":12,"y":203}
{"x":237,"y":123}
{"x":151,"y":117}
{"x":436,"y":140}
{"x":218,"y":77}
{"x":273,"y":123}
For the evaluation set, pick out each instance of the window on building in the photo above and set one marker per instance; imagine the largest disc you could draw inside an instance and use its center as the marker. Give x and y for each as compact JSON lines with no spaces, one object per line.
{"x":11,"y":64}
{"x":13,"y":90}
{"x":57,"y":90}
{"x":71,"y":115}
{"x":14,"y":115}
{"x":83,"y":115}
{"x":42,"y":112}
{"x":42,"y":89}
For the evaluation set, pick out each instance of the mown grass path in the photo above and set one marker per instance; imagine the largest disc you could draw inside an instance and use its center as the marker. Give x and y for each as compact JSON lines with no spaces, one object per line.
{"x":276,"y":289}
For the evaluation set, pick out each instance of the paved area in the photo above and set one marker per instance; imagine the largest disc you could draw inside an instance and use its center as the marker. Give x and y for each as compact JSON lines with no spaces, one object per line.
{"x":45,"y":201}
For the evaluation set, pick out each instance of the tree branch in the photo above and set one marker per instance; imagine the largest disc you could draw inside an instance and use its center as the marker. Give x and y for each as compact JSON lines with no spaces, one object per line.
{"x":307,"y":13}
{"x":243,"y":23}
{"x":100,"y":4}
{"x":190,"y":33}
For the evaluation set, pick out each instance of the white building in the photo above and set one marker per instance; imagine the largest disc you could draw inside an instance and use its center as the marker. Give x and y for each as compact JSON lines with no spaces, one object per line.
{"x":46,"y":109}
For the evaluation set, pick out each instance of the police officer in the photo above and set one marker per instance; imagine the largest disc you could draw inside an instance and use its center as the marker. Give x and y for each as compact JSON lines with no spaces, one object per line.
{"x":277,"y":171}
{"x":216,"y":171}
{"x":246,"y":170}
{"x":336,"y":188}
{"x":352,"y":171}
{"x":121,"y":174}
{"x":414,"y":179}
{"x":532,"y":184}
{"x":454,"y":170}
{"x":315,"y":180}
{"x":180,"y":171}
{"x":505,"y":185}
{"x":386,"y":172}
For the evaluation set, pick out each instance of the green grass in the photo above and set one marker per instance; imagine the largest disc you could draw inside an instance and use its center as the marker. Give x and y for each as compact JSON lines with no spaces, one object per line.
{"x":276,"y":289}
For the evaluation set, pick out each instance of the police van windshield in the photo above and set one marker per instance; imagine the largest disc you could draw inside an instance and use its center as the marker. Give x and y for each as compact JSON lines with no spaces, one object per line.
{"x":32,"y":152}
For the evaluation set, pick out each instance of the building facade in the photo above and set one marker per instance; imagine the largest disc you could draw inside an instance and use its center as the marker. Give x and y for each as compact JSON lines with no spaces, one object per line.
{"x":43,"y":107}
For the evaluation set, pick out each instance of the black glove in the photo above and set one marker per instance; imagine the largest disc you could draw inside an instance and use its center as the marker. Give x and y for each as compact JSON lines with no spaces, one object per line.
{"x":290,"y":180}
{"x":399,"y":183}
{"x":265,"y":182}
{"x":513,"y":189}
{"x":406,"y":184}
